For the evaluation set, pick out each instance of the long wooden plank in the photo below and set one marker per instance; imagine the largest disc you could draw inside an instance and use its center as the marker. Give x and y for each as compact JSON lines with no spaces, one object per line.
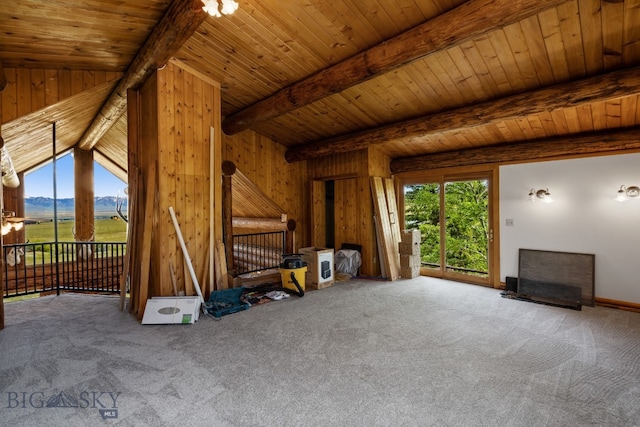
{"x":134,"y":123}
{"x":222,"y":276}
{"x":145,"y":264}
{"x":212,"y":210}
{"x":127,"y":258}
{"x":228,"y":170}
{"x":134,"y":266}
{"x":383,"y":228}
{"x":205,"y":271}
{"x":392,"y":207}
{"x":381,"y":255}
{"x":264,"y":224}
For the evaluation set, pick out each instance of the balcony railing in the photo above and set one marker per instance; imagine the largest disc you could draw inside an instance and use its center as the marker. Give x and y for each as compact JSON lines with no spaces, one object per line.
{"x":32,"y":268}
{"x":257,"y":252}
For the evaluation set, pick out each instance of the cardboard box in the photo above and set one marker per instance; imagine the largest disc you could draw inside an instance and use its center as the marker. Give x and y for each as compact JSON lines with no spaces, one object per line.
{"x":320,"y":267}
{"x":411,"y":236}
{"x":409,"y":248}
{"x":410,"y":273}
{"x":310,"y":286}
{"x":409,"y":261}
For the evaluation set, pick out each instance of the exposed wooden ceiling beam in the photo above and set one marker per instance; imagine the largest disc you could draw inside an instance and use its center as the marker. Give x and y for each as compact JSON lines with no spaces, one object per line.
{"x":471,"y":19}
{"x":179,"y":23}
{"x":525,"y":151}
{"x":594,"y":89}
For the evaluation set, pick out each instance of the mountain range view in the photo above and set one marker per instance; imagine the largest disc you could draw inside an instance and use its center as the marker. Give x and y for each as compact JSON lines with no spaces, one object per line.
{"x":42,"y":207}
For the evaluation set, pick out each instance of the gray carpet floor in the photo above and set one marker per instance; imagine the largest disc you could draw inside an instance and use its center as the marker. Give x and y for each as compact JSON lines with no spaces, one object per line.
{"x":421,"y":352}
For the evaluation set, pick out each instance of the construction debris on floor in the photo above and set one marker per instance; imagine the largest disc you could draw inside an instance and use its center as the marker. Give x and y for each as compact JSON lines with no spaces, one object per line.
{"x":230,"y":301}
{"x":225,"y":302}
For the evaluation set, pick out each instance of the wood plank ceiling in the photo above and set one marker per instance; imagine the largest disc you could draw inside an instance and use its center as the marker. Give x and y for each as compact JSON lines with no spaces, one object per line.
{"x":63,"y":49}
{"x":474,"y":87}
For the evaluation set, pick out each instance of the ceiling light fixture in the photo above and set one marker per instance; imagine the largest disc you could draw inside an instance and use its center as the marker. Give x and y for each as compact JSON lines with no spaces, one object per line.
{"x":218,"y":8}
{"x":9,"y":174}
{"x":625,"y":192}
{"x":542,"y":194}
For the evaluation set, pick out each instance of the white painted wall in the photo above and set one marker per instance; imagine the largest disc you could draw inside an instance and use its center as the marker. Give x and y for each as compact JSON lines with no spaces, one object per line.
{"x":584,"y":217}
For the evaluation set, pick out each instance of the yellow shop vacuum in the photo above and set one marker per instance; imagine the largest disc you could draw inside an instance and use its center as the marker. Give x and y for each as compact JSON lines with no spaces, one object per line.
{"x":293,"y":270}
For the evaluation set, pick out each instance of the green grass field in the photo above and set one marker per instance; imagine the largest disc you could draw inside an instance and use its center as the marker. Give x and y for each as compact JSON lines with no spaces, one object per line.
{"x":106,"y":230}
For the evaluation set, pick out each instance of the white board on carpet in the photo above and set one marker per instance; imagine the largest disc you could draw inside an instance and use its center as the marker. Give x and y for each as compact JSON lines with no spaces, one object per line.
{"x":171,"y":310}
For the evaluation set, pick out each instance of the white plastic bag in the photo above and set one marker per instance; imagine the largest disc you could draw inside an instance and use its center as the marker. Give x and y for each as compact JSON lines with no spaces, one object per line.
{"x":348,"y":261}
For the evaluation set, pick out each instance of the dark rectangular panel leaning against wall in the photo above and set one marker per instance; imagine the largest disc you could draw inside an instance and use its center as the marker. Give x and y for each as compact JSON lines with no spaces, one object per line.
{"x":557,"y":275}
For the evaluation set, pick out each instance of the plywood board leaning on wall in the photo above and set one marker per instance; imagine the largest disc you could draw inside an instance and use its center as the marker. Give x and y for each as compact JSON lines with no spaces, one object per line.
{"x":392,"y":206}
{"x":389,"y":252}
{"x":147,"y":230}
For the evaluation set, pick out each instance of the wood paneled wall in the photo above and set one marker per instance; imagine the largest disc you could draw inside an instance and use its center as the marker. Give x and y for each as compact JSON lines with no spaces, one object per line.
{"x":354,"y":207}
{"x":30,"y":90}
{"x":176,"y":113}
{"x":379,"y":163}
{"x":262,"y":161}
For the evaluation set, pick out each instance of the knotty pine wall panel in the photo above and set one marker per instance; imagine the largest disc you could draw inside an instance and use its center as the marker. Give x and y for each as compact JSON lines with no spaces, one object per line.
{"x":142,"y":153}
{"x":187,"y":110}
{"x":262,"y":161}
{"x":346,"y":230}
{"x":30,"y":90}
{"x":358,"y":165}
{"x":317,"y":214}
{"x":178,"y":110}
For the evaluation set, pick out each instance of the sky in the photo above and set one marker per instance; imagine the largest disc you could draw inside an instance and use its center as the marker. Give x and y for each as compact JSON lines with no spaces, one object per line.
{"x":39,"y":183}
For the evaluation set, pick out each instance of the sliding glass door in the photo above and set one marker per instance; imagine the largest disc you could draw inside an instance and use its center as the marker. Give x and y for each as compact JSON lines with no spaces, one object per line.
{"x":422,"y":212}
{"x":466,"y":228}
{"x":453,"y":214}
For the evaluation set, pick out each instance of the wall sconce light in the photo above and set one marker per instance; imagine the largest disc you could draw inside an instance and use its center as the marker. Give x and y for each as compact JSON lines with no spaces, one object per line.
{"x":542,"y":194}
{"x":625,"y":192}
{"x":218,"y":8}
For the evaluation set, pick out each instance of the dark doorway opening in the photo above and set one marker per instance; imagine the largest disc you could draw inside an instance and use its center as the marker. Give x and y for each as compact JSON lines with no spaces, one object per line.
{"x":330,"y":236}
